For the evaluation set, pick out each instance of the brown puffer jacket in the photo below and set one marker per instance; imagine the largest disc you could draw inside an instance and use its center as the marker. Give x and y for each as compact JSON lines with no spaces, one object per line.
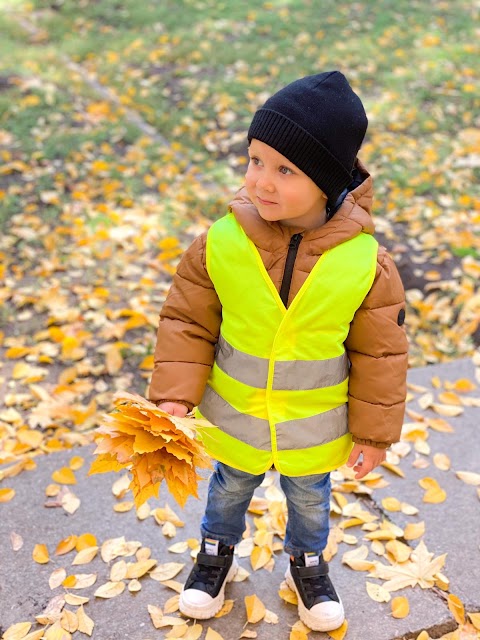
{"x":376,"y":344}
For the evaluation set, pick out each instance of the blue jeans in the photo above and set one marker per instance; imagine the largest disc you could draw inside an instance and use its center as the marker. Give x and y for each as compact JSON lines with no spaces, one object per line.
{"x":308,"y":503}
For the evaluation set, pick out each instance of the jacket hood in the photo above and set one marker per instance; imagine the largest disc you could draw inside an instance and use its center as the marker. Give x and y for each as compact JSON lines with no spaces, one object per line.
{"x":352,"y":218}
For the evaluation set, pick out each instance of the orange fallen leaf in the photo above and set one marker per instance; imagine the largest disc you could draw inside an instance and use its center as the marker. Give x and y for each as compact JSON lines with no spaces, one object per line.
{"x":40,"y":554}
{"x":456,"y":608}
{"x":6,"y":494}
{"x":66,"y":545}
{"x":340,"y":633}
{"x":400,"y":607}
{"x":85,"y":541}
{"x":64,"y":476}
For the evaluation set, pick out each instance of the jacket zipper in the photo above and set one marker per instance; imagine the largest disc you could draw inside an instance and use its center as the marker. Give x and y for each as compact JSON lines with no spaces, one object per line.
{"x":289,"y":264}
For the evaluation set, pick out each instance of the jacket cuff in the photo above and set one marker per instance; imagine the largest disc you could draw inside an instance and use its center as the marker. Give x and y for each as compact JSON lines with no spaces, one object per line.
{"x":189,"y":405}
{"x":371,"y":443}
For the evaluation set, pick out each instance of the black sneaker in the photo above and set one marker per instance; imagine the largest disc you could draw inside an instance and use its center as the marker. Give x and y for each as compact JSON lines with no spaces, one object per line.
{"x":203,"y":593}
{"x":319,"y":606}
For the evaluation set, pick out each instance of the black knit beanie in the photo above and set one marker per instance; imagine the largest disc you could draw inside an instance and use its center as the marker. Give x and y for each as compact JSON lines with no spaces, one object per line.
{"x":318,"y":123}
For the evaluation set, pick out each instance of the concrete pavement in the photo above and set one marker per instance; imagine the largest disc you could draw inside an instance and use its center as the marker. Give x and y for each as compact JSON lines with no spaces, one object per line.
{"x":450,"y":527}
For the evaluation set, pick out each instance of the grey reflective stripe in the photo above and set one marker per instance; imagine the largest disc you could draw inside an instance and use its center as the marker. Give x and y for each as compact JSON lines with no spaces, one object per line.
{"x":289,"y":375}
{"x":304,"y":375}
{"x":248,"y":429}
{"x":312,"y":431}
{"x":241,"y":366}
{"x":293,"y":434}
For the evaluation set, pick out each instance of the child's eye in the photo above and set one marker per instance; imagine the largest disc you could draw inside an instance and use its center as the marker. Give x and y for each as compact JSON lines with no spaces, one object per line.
{"x":254,"y":160}
{"x":285,"y":170}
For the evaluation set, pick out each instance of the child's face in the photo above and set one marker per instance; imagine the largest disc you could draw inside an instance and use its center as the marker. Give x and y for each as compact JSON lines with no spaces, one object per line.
{"x":280,"y":191}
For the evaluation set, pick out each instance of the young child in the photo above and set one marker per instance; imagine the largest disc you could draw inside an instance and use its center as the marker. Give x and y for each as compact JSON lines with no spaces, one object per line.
{"x":284,"y":325}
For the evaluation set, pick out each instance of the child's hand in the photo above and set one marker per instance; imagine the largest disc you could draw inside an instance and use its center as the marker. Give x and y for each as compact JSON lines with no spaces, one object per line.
{"x":372,"y":457}
{"x":174,"y":409}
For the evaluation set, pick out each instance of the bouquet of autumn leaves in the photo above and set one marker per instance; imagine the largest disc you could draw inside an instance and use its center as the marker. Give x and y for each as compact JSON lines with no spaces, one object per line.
{"x":153,"y":446}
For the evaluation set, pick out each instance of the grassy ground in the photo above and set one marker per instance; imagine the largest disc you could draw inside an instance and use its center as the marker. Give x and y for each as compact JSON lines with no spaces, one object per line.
{"x":196,"y":71}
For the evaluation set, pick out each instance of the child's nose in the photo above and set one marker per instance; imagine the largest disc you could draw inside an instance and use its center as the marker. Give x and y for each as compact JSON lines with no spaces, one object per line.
{"x":265,"y":183}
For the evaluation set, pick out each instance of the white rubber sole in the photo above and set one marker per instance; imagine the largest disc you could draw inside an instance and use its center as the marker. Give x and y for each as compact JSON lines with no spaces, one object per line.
{"x":327,"y":623}
{"x":208,"y":610}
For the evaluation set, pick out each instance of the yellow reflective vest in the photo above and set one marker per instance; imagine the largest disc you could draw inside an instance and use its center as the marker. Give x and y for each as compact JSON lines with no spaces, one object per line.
{"x":277,"y":392}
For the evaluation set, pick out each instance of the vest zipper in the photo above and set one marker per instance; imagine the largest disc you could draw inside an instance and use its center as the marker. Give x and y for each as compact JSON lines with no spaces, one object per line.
{"x":289,"y":264}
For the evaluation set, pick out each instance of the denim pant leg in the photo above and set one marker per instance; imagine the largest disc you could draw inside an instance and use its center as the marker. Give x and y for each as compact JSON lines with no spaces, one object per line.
{"x":229,"y":494}
{"x":308,"y":503}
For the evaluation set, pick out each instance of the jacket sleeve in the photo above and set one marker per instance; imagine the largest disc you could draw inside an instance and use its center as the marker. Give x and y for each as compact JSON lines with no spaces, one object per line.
{"x":187,"y":333}
{"x":378,"y":352}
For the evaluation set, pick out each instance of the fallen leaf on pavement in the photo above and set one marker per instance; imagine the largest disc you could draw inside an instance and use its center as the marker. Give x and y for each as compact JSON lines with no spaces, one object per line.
{"x":400,"y":607}
{"x":255,"y":609}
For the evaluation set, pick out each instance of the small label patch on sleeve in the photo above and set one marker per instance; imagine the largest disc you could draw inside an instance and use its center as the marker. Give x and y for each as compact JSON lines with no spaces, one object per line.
{"x":401,"y":317}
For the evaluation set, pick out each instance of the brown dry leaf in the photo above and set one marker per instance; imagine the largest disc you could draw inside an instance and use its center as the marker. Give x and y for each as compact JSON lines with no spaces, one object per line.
{"x":213,"y":635}
{"x":377,"y":592}
{"x":17,"y":631}
{"x":340,"y":633}
{"x":400,"y":607}
{"x":469,"y":477}
{"x":255,"y":609}
{"x":456,"y":608}
{"x":227,"y":607}
{"x":64,"y":476}
{"x":40,"y":554}
{"x":414,"y":530}
{"x":85,"y":556}
{"x":167,"y":571}
{"x":6,"y":494}
{"x":85,"y":623}
{"x":110,"y":590}
{"x":66,"y":545}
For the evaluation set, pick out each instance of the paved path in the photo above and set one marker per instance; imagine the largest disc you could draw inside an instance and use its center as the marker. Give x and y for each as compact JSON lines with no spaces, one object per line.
{"x":451,"y":527}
